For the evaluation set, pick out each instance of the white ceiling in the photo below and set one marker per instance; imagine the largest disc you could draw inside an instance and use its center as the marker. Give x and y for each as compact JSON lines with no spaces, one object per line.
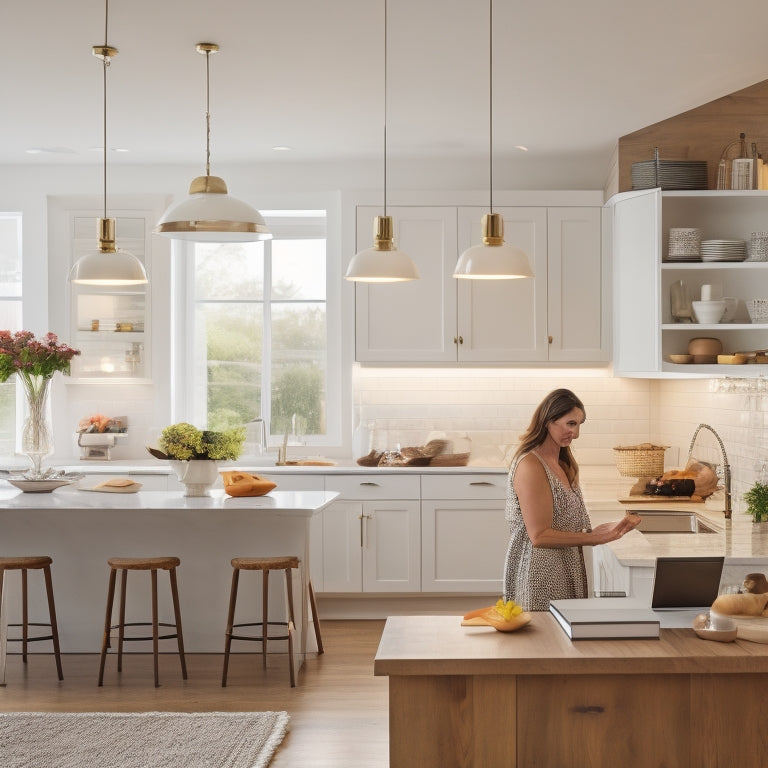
{"x":569,"y":77}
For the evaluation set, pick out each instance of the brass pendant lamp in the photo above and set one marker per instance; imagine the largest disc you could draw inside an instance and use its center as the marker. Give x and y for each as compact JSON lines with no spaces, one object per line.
{"x":384,"y":262}
{"x":494,"y":259}
{"x":107,"y":265}
{"x":210,"y":213}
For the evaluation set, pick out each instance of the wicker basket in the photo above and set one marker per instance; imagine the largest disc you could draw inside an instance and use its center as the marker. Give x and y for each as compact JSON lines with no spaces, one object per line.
{"x":640,"y":460}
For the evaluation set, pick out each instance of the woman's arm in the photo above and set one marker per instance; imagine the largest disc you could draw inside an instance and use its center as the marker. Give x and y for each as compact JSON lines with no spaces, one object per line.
{"x":536,"y":504}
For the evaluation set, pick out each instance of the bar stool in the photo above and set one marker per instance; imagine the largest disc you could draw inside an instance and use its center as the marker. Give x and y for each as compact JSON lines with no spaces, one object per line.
{"x":265,"y":565}
{"x":152,"y":564}
{"x":25,"y":564}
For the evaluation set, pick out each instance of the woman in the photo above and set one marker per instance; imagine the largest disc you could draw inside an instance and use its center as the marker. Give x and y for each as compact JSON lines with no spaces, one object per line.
{"x":548,"y":521}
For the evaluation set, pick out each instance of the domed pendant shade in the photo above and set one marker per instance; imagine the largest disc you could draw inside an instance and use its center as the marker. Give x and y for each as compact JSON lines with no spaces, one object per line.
{"x":107,"y":265}
{"x":494,"y":259}
{"x":383,"y":263}
{"x":210,"y":213}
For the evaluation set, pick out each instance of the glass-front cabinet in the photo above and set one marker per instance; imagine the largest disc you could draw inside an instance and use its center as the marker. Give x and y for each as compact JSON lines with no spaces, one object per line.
{"x":111,"y":325}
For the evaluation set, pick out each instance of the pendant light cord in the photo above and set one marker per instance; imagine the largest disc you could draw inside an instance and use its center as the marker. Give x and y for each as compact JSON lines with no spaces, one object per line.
{"x":385,"y":107}
{"x":490,"y":102}
{"x":208,"y":113}
{"x":105,"y":62}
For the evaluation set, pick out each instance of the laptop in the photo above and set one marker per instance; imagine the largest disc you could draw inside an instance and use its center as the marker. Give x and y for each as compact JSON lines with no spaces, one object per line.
{"x":686,"y":583}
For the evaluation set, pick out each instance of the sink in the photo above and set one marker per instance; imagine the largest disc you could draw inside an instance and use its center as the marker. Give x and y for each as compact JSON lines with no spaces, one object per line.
{"x":670,"y":521}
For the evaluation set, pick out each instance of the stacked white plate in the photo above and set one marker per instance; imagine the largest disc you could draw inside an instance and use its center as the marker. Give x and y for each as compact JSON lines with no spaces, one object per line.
{"x":723,"y":250}
{"x":684,"y":244}
{"x":669,"y":174}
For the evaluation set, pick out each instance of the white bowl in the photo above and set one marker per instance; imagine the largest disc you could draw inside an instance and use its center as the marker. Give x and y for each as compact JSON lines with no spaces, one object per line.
{"x":708,"y":311}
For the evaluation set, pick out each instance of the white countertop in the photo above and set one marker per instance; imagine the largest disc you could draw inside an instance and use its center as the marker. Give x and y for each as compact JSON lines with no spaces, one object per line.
{"x":286,"y":503}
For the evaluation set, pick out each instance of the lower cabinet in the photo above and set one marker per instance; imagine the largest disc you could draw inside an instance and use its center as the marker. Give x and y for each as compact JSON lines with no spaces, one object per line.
{"x":372,"y":537}
{"x":463,"y":532}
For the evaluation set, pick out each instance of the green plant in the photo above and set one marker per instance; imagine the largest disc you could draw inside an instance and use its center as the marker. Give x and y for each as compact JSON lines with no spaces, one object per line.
{"x":185,"y":442}
{"x":757,"y":502}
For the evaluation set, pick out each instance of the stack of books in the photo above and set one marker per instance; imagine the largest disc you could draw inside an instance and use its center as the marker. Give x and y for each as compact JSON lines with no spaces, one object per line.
{"x":605,"y":618}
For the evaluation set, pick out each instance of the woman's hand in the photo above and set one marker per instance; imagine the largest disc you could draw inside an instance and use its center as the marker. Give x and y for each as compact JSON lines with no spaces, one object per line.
{"x":606,"y":532}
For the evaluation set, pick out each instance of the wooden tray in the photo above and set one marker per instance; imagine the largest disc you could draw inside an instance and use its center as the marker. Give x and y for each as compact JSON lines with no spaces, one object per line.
{"x":647,"y":499}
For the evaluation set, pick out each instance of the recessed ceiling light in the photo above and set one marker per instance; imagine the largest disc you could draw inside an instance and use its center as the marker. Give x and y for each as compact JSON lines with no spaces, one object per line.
{"x":282,"y":148}
{"x":521,"y":147}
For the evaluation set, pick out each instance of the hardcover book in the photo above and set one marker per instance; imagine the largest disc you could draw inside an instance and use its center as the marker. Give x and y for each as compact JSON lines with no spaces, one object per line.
{"x":605,"y":618}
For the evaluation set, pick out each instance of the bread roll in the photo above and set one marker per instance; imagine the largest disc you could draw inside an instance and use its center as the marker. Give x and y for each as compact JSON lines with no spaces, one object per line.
{"x":741,"y":605}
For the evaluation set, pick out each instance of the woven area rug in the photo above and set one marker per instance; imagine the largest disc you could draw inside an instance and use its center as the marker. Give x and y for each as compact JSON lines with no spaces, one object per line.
{"x":140,"y":739}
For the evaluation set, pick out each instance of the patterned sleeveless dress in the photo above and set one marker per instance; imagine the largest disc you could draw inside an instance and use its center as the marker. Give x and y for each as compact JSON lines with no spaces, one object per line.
{"x":535,"y":575}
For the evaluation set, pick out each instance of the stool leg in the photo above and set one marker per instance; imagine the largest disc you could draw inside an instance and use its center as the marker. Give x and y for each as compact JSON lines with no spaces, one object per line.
{"x":107,"y":623}
{"x":155,"y":643}
{"x":177,"y":615}
{"x":24,"y":616}
{"x":264,"y":616}
{"x":52,"y":614}
{"x":291,"y":623}
{"x":3,"y":631}
{"x":315,"y":619}
{"x":121,"y":620}
{"x":230,"y":622}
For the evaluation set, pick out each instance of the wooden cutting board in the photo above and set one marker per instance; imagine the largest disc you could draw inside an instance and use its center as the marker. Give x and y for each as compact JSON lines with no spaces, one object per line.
{"x":643,"y":499}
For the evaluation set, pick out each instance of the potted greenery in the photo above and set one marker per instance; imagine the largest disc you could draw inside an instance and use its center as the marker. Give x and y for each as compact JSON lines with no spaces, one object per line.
{"x":193,"y":453}
{"x":756,"y":499}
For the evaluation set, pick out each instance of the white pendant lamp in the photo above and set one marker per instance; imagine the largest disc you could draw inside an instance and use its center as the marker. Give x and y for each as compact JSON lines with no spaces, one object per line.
{"x":383,"y":263}
{"x":107,"y":265}
{"x":210,"y":213}
{"x":494,"y":259}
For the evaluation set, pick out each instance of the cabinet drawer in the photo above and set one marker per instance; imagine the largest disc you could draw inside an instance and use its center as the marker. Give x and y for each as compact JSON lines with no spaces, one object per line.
{"x":374,"y":486}
{"x":295,"y":482}
{"x":479,"y":486}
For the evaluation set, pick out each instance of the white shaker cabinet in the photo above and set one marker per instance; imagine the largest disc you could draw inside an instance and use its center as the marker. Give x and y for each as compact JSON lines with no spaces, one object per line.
{"x":371,"y":536}
{"x":561,"y":315}
{"x":645,"y":333}
{"x":463,"y":532}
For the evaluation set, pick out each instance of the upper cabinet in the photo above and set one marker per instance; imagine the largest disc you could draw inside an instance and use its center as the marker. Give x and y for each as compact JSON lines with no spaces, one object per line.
{"x":561,"y":315}
{"x":645,"y":333}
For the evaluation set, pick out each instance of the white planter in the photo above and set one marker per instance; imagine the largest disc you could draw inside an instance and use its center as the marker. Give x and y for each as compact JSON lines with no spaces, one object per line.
{"x":198,"y":475}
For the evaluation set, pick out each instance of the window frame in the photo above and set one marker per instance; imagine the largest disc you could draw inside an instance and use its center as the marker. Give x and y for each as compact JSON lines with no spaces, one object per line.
{"x":187,"y":390}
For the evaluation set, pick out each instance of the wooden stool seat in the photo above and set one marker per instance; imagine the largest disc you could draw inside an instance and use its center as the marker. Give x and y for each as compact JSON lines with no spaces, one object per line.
{"x":152,"y":564}
{"x":143,"y":563}
{"x":18,"y":563}
{"x":266,"y":564}
{"x":24,"y":564}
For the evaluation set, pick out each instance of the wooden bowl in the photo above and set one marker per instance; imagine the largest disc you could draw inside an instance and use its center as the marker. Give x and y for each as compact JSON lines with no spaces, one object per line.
{"x":705,"y":346}
{"x":681,"y":359}
{"x":731,"y":359}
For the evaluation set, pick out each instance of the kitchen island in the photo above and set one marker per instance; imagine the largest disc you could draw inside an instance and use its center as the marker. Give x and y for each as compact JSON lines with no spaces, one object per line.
{"x":471,"y":696}
{"x":81,"y":529}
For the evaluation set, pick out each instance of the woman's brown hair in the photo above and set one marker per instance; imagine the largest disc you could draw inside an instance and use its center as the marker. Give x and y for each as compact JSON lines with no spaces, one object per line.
{"x":553,"y":407}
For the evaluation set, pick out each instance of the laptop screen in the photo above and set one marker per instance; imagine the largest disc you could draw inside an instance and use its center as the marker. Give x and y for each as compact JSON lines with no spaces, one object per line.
{"x":686,"y":582}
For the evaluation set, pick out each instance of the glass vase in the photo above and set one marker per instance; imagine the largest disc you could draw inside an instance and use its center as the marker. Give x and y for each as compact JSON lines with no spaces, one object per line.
{"x":36,"y":440}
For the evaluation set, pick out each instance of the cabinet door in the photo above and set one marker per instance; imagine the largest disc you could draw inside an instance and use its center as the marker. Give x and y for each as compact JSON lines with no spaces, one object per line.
{"x":463,"y":545}
{"x":577,"y":290}
{"x":413,"y":321}
{"x":505,"y":320}
{"x":342,"y":547}
{"x":391,"y":546}
{"x":636,"y":264}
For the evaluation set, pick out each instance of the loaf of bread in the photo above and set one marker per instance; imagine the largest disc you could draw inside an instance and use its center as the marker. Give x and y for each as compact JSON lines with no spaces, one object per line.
{"x":244,"y":484}
{"x":741,"y":605}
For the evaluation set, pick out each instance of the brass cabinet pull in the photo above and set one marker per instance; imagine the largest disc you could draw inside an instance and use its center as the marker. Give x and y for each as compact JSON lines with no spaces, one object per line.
{"x":375,"y":485}
{"x":483,"y":482}
{"x":550,"y":339}
{"x":461,"y":339}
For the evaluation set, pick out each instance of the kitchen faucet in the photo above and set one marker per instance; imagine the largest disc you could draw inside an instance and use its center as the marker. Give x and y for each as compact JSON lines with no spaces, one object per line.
{"x":726,"y":466}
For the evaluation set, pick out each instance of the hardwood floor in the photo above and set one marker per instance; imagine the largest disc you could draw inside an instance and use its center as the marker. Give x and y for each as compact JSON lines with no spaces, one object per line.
{"x":338,"y":709}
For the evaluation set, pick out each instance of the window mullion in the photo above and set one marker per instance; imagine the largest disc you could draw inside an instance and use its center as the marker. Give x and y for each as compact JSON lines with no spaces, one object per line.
{"x":266,"y":354}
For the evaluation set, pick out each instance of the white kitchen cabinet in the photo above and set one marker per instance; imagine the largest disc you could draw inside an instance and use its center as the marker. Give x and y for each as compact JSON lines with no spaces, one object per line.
{"x":644,"y":332}
{"x":561,"y":315}
{"x":371,"y":537}
{"x":463,"y":532}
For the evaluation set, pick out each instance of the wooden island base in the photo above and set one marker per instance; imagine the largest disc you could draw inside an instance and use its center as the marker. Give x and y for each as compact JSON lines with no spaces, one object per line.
{"x":462,"y":696}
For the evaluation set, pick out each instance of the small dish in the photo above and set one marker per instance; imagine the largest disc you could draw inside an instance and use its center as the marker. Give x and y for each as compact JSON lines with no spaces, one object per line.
{"x":681,"y":359}
{"x":38,"y":486}
{"x":736,"y":359}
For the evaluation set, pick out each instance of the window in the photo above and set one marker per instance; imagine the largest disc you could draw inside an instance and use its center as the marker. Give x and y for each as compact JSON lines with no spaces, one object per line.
{"x":10,"y":318}
{"x":259,"y":345}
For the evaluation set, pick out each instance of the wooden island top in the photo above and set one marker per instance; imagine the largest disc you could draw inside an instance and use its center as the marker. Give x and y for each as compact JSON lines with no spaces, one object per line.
{"x":471,"y":696}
